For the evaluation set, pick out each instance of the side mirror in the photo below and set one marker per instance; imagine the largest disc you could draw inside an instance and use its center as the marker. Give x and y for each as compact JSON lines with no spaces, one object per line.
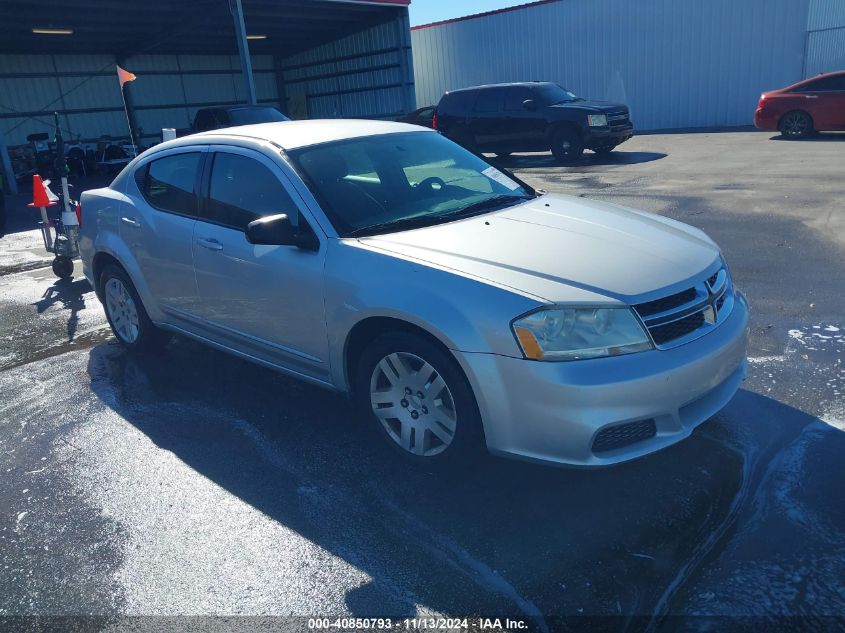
{"x":529,"y":104}
{"x":276,"y":230}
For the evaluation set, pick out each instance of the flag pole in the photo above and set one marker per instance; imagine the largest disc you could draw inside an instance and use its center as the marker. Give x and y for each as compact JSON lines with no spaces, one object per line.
{"x":128,"y":121}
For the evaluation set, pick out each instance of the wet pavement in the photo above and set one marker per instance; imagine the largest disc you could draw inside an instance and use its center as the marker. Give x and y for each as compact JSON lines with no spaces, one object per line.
{"x":193,"y":483}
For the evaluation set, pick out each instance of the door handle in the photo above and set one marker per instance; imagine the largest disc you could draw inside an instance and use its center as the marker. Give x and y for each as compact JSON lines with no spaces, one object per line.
{"x":811,"y":96}
{"x":210,"y":243}
{"x":131,"y":222}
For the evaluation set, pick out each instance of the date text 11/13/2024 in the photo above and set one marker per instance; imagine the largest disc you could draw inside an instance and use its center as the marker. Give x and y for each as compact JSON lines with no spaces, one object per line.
{"x":411,"y":624}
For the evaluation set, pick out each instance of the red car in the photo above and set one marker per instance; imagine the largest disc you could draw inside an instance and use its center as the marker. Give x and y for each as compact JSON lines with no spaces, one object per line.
{"x":813,"y":105}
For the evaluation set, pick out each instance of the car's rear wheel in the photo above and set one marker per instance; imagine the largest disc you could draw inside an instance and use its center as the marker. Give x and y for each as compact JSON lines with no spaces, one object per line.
{"x":796,"y":124}
{"x":567,"y":145}
{"x":418,"y":399}
{"x":126,"y":314}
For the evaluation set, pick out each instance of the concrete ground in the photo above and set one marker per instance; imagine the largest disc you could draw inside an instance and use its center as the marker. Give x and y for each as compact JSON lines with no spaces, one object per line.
{"x":196,"y":484}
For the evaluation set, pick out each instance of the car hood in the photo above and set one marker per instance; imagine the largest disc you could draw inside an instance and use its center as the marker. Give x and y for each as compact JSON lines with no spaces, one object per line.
{"x":594,"y":106}
{"x":561,"y":248}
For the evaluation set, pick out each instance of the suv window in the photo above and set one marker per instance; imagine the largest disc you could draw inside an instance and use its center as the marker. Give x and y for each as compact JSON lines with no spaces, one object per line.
{"x":514,"y":98}
{"x":489,"y":100}
{"x":205,"y":121}
{"x":168,"y":183}
{"x":242,"y":190}
{"x":825,"y":84}
{"x":456,"y":103}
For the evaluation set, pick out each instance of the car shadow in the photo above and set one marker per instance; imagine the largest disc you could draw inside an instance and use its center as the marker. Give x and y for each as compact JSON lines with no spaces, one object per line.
{"x":817,"y":137}
{"x":489,"y":536}
{"x":589,"y":159}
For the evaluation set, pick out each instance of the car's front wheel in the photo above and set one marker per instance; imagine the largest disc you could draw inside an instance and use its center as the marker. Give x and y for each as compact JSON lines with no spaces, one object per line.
{"x":796,"y":124}
{"x":125,"y":312}
{"x":567,"y":146}
{"x":604,"y":151}
{"x":418,"y":399}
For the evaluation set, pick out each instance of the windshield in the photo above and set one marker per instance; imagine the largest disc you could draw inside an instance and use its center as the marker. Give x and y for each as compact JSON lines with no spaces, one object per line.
{"x":248,"y":116}
{"x":390,"y":182}
{"x":551,"y":94}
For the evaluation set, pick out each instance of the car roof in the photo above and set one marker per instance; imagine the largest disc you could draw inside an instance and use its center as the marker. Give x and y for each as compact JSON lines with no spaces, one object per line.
{"x":835,"y":73}
{"x":295,"y":134}
{"x":513,"y":84}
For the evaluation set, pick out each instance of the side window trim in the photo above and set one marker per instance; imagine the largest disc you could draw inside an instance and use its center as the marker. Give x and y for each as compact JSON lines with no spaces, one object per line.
{"x":145,"y":166}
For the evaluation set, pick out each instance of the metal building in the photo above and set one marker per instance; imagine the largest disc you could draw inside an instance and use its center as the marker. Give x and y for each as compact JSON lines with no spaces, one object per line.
{"x":677,"y":63}
{"x":310,"y":58}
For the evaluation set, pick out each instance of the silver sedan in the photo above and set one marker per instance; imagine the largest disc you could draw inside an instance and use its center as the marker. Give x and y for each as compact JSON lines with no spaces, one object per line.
{"x":460,"y":308}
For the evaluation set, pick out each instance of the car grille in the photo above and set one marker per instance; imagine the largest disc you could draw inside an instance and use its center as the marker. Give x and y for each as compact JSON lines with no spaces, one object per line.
{"x":685,"y":316}
{"x":617,"y":119}
{"x":622,"y":435}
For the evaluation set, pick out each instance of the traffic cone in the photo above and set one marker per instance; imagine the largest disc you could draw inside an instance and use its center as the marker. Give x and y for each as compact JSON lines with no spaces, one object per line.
{"x":40,"y":197}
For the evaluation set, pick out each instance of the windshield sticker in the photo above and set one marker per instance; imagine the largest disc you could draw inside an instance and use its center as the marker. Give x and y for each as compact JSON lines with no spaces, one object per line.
{"x":495,"y":174}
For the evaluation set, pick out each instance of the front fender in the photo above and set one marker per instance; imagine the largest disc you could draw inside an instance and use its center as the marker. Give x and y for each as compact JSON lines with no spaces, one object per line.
{"x":465,"y":314}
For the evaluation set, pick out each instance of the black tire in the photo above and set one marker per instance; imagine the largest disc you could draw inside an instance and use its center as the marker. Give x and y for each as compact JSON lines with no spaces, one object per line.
{"x":63,"y":267}
{"x":467,"y":441}
{"x":567,"y":145}
{"x":796,"y":124}
{"x":149,"y":337}
{"x":604,"y":151}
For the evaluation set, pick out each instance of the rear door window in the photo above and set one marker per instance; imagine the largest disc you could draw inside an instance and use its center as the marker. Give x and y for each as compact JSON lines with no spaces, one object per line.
{"x":489,"y":100}
{"x":242,"y":189}
{"x":168,"y":183}
{"x":515,"y":97}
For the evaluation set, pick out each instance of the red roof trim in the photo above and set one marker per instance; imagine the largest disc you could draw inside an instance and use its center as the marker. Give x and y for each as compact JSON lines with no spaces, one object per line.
{"x":518,"y":7}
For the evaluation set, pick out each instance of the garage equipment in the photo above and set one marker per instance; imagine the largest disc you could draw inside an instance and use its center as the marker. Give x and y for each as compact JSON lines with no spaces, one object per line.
{"x":64,"y":245}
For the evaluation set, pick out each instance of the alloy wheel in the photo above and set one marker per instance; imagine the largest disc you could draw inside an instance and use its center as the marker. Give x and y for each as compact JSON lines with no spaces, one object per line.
{"x":413,"y":403}
{"x":122,"y":311}
{"x":795,"y":124}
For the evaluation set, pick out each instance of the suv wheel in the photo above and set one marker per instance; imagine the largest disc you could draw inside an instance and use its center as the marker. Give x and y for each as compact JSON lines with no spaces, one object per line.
{"x":604,"y":151}
{"x":417,"y":399}
{"x":567,"y":146}
{"x":796,"y":124}
{"x":125,"y":312}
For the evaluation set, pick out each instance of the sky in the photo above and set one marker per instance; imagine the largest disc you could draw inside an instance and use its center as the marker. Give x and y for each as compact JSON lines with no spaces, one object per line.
{"x":425,"y":11}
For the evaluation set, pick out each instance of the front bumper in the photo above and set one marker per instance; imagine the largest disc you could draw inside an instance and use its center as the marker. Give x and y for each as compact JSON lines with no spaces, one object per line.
{"x":552,"y":412}
{"x":607,"y":136}
{"x":766,"y":119}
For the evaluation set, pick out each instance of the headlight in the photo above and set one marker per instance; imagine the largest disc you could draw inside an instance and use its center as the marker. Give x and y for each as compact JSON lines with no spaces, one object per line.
{"x":596,"y":120}
{"x":573,"y":333}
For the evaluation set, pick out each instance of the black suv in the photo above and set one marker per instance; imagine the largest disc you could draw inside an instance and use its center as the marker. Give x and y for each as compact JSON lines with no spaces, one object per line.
{"x":531,"y":117}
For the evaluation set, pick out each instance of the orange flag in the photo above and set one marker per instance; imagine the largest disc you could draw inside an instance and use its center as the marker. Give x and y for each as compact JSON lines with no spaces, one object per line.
{"x":124,"y":75}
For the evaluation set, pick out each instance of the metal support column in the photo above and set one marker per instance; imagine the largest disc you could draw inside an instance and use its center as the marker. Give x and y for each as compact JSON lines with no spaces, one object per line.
{"x":10,"y":185}
{"x":406,"y":60}
{"x":243,"y":49}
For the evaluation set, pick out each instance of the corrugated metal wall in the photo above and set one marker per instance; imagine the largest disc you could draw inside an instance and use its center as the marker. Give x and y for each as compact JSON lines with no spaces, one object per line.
{"x":85,"y":91}
{"x":825,"y":37}
{"x":368,"y":74}
{"x":171,"y":88}
{"x":677,"y":63}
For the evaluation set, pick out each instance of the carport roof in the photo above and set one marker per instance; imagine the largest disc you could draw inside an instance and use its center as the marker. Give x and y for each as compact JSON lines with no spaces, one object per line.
{"x":122,"y":28}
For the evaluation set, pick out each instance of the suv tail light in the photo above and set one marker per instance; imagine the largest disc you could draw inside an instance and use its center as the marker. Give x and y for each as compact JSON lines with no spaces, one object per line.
{"x":79,"y":213}
{"x":434,"y":120}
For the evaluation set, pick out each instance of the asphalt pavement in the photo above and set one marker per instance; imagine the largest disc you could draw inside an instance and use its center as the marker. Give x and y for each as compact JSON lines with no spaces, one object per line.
{"x":191,"y":483}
